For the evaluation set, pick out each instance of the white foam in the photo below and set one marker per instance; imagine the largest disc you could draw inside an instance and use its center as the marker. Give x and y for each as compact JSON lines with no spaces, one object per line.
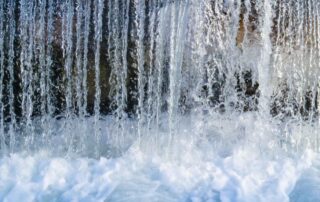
{"x":236,"y":158}
{"x":137,"y":176}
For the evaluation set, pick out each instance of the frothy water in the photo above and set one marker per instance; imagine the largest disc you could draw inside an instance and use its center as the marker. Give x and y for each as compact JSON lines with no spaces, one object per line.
{"x":159,"y":100}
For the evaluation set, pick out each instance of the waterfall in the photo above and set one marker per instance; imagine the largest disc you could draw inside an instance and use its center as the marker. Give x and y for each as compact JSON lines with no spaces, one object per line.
{"x":264,"y":65}
{"x":98,"y":9}
{"x":3,"y":146}
{"x":100,"y":74}
{"x":10,"y":69}
{"x":141,"y":60}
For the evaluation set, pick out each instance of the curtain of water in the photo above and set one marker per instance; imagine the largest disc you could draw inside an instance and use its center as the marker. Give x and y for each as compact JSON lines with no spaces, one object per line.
{"x":80,"y":64}
{"x":85,"y":57}
{"x":79,"y":56}
{"x":10,"y":68}
{"x":157,"y":60}
{"x":67,"y":34}
{"x":98,"y":9}
{"x":266,"y":51}
{"x":48,"y":65}
{"x":141,"y":64}
{"x":118,"y":59}
{"x":27,"y":35}
{"x":179,"y":13}
{"x":2,"y":135}
{"x":84,"y":69}
{"x":153,"y":5}
{"x":41,"y":46}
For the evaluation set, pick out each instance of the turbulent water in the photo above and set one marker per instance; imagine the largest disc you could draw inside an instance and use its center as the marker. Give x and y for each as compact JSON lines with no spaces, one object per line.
{"x":159,"y":100}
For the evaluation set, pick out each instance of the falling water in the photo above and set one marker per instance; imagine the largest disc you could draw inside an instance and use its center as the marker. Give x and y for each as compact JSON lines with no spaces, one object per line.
{"x":3,"y":146}
{"x":98,"y":75}
{"x":10,"y":69}
{"x":140,"y":61}
{"x":98,"y":8}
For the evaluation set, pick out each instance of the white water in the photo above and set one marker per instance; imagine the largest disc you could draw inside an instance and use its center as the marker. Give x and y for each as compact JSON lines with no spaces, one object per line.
{"x":140,"y":177}
{"x":197,"y":168}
